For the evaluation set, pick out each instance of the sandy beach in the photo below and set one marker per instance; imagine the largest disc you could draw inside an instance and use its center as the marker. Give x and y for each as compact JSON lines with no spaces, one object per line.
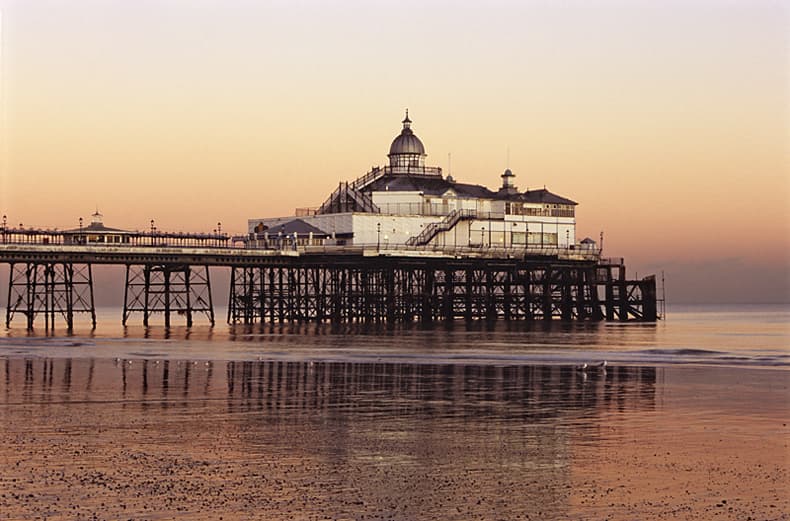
{"x":185,"y":439}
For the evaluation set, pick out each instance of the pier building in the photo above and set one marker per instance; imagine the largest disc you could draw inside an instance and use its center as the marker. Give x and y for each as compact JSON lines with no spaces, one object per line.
{"x":407,"y":203}
{"x":97,"y":233}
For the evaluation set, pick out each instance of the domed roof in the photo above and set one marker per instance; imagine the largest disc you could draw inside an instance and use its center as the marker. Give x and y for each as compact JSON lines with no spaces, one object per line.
{"x":407,"y":142}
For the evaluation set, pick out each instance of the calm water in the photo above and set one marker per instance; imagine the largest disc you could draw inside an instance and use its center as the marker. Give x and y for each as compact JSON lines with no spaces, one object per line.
{"x":688,"y":421}
{"x":737,"y":335}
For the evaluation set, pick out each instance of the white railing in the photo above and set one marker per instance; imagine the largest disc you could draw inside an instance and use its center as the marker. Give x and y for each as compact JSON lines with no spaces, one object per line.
{"x":572,"y":252}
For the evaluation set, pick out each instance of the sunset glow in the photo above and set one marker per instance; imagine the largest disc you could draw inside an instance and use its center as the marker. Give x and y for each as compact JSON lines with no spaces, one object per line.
{"x":667,"y":122}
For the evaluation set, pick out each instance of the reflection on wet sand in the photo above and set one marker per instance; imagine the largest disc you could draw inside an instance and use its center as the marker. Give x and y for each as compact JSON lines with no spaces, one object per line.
{"x":305,"y":439}
{"x":519,"y":392}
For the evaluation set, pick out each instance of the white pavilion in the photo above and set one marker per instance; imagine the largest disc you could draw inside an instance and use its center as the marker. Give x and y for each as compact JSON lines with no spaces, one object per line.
{"x":410,"y":205}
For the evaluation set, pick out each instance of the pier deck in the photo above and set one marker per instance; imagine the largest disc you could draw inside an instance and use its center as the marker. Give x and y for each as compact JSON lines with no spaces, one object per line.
{"x":368,"y":284}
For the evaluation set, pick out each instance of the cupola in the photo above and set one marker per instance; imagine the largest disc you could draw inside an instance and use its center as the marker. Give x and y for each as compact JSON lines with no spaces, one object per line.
{"x":507,"y":183}
{"x":407,"y":150}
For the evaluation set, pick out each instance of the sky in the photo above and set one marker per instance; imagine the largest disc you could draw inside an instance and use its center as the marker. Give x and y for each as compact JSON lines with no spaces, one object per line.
{"x":669,"y":122}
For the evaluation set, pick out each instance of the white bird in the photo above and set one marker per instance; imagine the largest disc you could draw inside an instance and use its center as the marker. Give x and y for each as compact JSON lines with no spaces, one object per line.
{"x":581,"y":368}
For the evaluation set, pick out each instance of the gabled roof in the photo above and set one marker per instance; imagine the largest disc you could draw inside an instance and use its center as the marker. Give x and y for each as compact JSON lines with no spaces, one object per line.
{"x":297,"y":226}
{"x":469,"y":190}
{"x":542,"y":196}
{"x":98,"y":228}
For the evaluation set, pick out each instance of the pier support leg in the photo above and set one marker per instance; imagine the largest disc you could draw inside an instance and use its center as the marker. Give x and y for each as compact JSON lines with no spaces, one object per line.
{"x":427,"y":296}
{"x":168,"y":289}
{"x":50,"y":289}
{"x":232,"y":297}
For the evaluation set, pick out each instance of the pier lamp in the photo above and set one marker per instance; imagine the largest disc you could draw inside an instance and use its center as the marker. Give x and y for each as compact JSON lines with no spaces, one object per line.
{"x":482,"y":235}
{"x":5,"y":220}
{"x":568,"y":238}
{"x":378,"y":236}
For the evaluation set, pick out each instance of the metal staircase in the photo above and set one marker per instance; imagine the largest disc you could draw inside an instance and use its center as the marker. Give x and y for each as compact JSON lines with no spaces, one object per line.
{"x":430,"y":231}
{"x":347,"y":198}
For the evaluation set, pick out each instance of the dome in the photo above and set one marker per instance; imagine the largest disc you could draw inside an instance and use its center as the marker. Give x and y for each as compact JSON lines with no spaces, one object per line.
{"x":406,"y":150}
{"x":407,"y":142}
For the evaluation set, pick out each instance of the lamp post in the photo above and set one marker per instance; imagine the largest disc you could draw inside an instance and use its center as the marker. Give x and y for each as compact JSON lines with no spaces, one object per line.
{"x":5,"y":220}
{"x":482,"y":235}
{"x":378,"y":236}
{"x":526,"y":235}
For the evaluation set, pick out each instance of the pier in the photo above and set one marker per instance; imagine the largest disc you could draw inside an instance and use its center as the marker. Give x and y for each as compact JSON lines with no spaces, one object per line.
{"x":167,"y":274}
{"x":402,"y":243}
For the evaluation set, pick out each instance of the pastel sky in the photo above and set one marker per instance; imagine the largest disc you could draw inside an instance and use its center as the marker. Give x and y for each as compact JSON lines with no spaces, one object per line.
{"x":669,"y":122}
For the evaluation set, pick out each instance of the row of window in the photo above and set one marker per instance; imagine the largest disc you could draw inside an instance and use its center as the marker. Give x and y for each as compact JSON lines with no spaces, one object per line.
{"x":549,"y":239}
{"x":539,"y":212}
{"x":98,"y":239}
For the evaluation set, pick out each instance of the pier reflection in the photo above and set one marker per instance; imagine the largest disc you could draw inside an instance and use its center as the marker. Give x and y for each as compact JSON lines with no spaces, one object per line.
{"x":437,"y":390}
{"x":458,"y":441}
{"x":470,"y":391}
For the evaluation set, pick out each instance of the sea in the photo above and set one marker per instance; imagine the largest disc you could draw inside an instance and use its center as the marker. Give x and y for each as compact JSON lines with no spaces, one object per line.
{"x":686,"y":418}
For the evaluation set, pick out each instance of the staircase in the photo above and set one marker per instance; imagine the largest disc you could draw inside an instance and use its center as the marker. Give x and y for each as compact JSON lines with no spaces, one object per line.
{"x":347,"y":198}
{"x":430,"y":231}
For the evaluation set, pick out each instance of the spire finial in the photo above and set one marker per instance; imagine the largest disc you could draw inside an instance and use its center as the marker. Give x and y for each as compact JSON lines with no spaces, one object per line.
{"x":406,"y":121}
{"x":96,"y":218}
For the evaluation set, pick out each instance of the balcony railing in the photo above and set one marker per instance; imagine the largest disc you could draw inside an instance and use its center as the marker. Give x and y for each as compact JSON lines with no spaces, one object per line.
{"x":377,"y":172}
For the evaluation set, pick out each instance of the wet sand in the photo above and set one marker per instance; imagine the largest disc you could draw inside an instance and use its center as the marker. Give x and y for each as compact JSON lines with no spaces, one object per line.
{"x":185,"y":439}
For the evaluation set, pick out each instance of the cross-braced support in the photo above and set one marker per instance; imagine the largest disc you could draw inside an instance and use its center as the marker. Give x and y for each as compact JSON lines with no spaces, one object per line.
{"x":387,"y":291}
{"x":167,"y":289}
{"x":50,"y":289}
